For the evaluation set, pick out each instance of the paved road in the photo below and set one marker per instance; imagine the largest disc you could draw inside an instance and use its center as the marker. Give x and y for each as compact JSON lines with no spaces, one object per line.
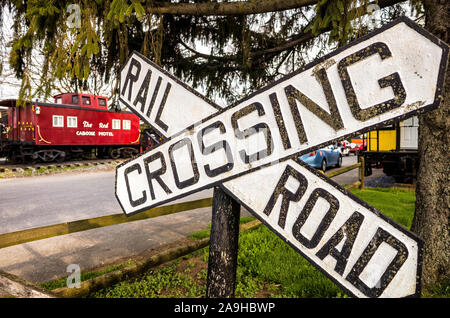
{"x":37,"y":201}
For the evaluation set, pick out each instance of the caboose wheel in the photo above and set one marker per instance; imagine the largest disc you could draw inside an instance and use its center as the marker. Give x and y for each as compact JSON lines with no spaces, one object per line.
{"x":114,"y":153}
{"x":128,"y":152}
{"x":16,"y":158}
{"x":60,"y":157}
{"x":49,"y":155}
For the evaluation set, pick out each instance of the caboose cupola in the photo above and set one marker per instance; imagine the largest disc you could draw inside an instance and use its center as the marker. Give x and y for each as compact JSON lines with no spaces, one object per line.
{"x":84,"y":100}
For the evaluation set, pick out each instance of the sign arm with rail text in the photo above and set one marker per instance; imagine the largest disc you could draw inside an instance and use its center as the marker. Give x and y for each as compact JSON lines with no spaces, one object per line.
{"x":251,"y":147}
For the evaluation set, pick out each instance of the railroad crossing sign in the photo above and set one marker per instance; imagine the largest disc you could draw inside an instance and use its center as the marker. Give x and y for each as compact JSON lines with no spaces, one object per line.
{"x":159,"y":98}
{"x":251,"y":149}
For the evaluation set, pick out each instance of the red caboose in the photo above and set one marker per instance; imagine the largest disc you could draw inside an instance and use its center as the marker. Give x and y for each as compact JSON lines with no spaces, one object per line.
{"x":76,"y":124}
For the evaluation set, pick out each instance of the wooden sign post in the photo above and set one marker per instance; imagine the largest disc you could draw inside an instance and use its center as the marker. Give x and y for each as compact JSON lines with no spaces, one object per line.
{"x":223,"y":247}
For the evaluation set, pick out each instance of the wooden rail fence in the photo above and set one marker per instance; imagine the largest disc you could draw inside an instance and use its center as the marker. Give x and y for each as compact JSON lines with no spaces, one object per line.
{"x":24,"y":236}
{"x":29,"y":235}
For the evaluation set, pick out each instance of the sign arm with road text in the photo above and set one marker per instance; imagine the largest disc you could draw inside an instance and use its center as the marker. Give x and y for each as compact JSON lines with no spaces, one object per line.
{"x":249,"y":146}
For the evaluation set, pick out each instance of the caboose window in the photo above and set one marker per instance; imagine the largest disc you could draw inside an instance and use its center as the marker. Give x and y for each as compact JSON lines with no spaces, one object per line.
{"x":126,"y":124}
{"x":101,"y":102}
{"x":72,"y":122}
{"x":116,"y":124}
{"x":58,"y":121}
{"x":75,"y":99}
{"x":86,"y":100}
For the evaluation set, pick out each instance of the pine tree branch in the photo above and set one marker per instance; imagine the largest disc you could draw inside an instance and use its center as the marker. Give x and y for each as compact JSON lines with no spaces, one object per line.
{"x":307,"y":36}
{"x":206,"y":56}
{"x":226,"y":8}
{"x":295,"y":40}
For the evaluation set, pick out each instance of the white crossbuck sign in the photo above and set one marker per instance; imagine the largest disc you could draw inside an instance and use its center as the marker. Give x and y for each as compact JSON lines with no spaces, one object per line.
{"x":251,"y":150}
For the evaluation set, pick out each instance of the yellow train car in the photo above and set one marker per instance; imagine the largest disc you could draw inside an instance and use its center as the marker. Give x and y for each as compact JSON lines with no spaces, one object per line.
{"x":393,"y":148}
{"x":382,"y":140}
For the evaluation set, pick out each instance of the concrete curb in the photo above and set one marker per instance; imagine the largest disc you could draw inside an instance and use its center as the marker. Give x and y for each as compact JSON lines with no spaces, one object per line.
{"x":13,"y":286}
{"x":139,"y":267}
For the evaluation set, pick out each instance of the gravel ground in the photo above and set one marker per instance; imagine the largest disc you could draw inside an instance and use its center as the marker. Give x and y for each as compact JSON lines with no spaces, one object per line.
{"x":382,"y":182}
{"x":69,"y":167}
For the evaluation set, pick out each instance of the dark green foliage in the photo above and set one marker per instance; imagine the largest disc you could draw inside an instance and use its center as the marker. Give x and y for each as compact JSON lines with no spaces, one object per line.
{"x":244,"y":53}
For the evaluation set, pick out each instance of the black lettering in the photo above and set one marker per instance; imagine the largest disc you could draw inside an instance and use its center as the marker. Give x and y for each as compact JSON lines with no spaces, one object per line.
{"x":288,"y":196}
{"x":142,"y":199}
{"x":392,"y":80}
{"x":214,"y":147}
{"x":130,"y":78}
{"x":391,"y":270}
{"x":156,"y":175}
{"x":141,"y":96}
{"x":251,"y":131}
{"x":324,"y":223}
{"x":154,"y":95}
{"x":158,"y":120}
{"x":280,"y":121}
{"x":349,"y":231}
{"x":333,"y":119}
{"x":183,"y":184}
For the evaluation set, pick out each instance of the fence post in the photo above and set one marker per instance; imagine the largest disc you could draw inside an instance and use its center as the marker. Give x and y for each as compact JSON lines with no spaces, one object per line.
{"x":221,"y":278}
{"x":361,"y":173}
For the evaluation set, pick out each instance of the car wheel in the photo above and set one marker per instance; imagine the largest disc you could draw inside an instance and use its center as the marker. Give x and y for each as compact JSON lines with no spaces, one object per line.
{"x":323,"y":166}
{"x":339,"y":163}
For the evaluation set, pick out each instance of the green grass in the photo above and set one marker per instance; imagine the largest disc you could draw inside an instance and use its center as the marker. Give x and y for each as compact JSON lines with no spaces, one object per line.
{"x":160,"y":283}
{"x":163,"y":282}
{"x":396,"y":204}
{"x":205,"y":233}
{"x":201,"y":234}
{"x":267,"y":267}
{"x":264,"y":257}
{"x":439,"y":290}
{"x":58,"y":283}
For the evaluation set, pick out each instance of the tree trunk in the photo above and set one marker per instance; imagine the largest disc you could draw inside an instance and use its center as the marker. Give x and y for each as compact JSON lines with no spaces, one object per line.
{"x":431,"y":218}
{"x":221,"y":279}
{"x":227,"y":8}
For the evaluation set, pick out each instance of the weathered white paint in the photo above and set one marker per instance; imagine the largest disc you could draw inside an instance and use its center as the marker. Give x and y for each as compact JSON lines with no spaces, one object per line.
{"x":254,"y":189}
{"x":255,"y":193}
{"x":418,"y":69}
{"x":178,"y":107}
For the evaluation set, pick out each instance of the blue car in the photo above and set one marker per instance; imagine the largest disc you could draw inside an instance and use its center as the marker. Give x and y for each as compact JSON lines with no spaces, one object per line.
{"x":323,"y":158}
